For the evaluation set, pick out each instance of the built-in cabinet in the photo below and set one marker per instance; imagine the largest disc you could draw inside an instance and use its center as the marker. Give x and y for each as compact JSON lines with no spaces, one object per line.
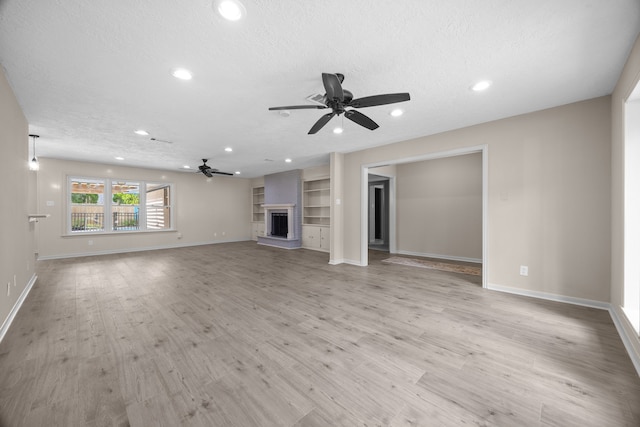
{"x":316,"y":237}
{"x":257,"y":212}
{"x":316,"y":214}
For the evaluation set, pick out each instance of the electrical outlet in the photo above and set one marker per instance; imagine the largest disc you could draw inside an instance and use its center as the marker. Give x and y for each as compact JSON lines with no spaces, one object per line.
{"x":90,"y":242}
{"x":215,"y":234}
{"x":224,"y":232}
{"x":524,"y":270}
{"x":15,"y":282}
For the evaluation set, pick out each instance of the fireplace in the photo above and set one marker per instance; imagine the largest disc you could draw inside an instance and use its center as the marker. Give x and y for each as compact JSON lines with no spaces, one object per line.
{"x":278,"y":221}
{"x":279,"y":224}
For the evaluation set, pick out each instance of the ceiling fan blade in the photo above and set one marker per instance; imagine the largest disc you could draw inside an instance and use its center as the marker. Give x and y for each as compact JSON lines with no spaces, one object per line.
{"x":371,"y":101}
{"x":332,"y":86}
{"x":299,"y":107}
{"x":361,"y":119}
{"x":222,"y":173}
{"x":320,"y":123}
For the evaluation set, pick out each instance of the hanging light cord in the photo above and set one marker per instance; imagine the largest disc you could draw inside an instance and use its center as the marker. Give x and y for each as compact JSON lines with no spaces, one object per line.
{"x":34,"y":162}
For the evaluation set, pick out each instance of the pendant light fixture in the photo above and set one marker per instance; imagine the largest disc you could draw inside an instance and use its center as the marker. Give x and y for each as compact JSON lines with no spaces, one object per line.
{"x":33,"y":164}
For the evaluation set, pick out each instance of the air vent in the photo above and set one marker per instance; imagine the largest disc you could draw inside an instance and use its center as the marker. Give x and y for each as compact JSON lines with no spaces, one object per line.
{"x":162,"y":140}
{"x":316,"y":98}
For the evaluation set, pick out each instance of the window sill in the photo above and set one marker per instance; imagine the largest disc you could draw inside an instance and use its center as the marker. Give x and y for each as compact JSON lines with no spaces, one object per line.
{"x":116,"y":233}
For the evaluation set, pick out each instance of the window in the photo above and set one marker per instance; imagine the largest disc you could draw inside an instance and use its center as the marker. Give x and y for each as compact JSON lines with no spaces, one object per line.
{"x":631,"y":294}
{"x":125,"y":206}
{"x":158,"y":206}
{"x":101,"y":205}
{"x":87,"y":205}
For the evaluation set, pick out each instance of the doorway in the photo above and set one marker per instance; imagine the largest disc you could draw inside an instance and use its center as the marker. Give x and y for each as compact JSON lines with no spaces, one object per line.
{"x":378,"y":212}
{"x":365,"y":204}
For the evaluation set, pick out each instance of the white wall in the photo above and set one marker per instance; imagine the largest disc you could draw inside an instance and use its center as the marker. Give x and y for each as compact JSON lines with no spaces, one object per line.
{"x":548,"y":196}
{"x":439,"y":207}
{"x":206,"y":210}
{"x":18,"y":186}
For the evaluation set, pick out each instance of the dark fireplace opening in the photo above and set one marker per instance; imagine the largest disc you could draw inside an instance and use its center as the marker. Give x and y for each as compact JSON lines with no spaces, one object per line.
{"x":279,"y":224}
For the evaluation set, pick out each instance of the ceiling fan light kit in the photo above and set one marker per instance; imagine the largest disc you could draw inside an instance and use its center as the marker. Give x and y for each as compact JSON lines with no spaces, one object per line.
{"x":339,"y":99}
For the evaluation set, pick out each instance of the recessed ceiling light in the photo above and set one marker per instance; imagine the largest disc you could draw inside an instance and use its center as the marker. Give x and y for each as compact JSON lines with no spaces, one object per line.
{"x":231,"y":10}
{"x":119,"y":158}
{"x":397,"y":112}
{"x":186,"y":167}
{"x":337,"y":130}
{"x":237,"y":172}
{"x":228,"y":149}
{"x":481,"y":85}
{"x":182,"y":74}
{"x":141,"y":132}
{"x":287,"y":160}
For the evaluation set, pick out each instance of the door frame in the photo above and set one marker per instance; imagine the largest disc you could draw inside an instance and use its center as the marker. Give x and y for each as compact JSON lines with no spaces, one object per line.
{"x":364,"y":201}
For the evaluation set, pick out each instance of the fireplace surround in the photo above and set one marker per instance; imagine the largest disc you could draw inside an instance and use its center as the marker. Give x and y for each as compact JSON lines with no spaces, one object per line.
{"x":279,"y":210}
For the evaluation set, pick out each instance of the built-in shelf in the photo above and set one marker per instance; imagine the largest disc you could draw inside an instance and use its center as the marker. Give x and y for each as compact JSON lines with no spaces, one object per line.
{"x":316,"y":204}
{"x":257,"y":200}
{"x":36,"y":217}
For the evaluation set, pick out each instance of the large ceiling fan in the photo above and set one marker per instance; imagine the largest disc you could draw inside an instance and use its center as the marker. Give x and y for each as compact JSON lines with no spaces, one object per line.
{"x":338,"y":99}
{"x":209,"y":171}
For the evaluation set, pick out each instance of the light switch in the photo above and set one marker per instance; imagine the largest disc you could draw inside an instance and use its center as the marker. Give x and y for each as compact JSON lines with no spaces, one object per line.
{"x":50,"y":203}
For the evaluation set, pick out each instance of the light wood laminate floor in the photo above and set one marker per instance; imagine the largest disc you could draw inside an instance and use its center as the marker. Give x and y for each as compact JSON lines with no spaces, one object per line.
{"x":244,"y":335}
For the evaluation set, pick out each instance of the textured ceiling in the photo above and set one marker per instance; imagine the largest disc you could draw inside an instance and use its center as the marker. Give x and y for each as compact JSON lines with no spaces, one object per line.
{"x":88,"y":73}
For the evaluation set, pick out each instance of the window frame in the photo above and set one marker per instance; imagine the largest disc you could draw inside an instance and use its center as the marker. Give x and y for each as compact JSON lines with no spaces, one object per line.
{"x":108,"y":205}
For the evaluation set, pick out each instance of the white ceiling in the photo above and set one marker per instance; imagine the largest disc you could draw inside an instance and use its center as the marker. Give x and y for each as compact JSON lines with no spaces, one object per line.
{"x":89,"y":73}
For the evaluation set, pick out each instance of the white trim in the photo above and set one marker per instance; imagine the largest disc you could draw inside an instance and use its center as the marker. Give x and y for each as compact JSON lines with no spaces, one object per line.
{"x":16,"y":307}
{"x":392,"y":215}
{"x":345,"y":261}
{"x":485,"y":216}
{"x":279,"y":247}
{"x":626,"y":339}
{"x":551,"y":297}
{"x":315,"y":249}
{"x":364,"y":216}
{"x":147,"y":248}
{"x":439,"y":256}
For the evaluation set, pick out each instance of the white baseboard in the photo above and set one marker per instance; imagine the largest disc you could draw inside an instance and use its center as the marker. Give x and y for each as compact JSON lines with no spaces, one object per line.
{"x":439,"y":256}
{"x":345,"y":261}
{"x":551,"y":297}
{"x":626,"y":339}
{"x":279,"y":247}
{"x":617,"y":321}
{"x":315,"y":249}
{"x":16,"y":307}
{"x":142,"y":249}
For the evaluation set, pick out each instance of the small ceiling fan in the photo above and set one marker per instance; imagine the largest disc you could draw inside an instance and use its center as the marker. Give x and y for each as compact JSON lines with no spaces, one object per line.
{"x":338,"y":99}
{"x":209,"y":171}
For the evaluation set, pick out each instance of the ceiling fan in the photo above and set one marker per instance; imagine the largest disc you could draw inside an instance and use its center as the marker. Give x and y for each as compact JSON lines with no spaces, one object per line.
{"x":338,"y":99}
{"x":209,"y":171}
